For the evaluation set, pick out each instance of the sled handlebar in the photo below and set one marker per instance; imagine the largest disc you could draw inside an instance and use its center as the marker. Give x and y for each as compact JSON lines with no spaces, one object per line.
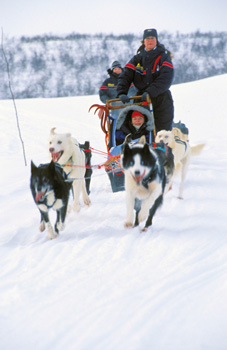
{"x":141,"y":103}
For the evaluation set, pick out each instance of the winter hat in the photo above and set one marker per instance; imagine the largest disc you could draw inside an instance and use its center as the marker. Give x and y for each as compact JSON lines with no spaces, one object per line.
{"x":150,"y":32}
{"x":137,"y":114}
{"x":116,"y":64}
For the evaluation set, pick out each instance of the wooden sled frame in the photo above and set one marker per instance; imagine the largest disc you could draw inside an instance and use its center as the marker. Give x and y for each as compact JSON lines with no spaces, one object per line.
{"x":103,"y":112}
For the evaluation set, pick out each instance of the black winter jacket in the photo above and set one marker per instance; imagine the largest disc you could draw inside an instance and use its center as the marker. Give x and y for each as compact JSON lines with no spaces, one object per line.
{"x":150,"y":71}
{"x":108,"y":90}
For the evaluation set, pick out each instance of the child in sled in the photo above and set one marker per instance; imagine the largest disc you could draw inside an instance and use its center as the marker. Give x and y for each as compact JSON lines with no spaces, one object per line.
{"x":136,"y":121}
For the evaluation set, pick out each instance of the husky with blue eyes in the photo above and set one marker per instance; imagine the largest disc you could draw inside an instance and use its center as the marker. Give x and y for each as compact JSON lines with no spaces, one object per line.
{"x":148,"y":171}
{"x":182,"y":151}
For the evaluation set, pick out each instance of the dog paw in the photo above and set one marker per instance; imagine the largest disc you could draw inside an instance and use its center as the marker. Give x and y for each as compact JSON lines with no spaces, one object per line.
{"x":60,"y":226}
{"x":180,"y":197}
{"x":143,"y":229}
{"x":42,"y":226}
{"x":52,"y":235}
{"x":76,"y":207}
{"x":128,"y":224}
{"x":69,"y":208}
{"x":170,"y":187}
{"x":143,"y":214}
{"x":87,"y":201}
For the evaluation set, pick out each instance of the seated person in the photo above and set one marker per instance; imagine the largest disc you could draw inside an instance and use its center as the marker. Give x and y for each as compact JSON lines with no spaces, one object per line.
{"x":108,"y":89}
{"x":136,"y":121}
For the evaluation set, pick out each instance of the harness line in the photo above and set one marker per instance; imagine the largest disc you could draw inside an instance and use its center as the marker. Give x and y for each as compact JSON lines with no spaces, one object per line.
{"x":98,"y":166}
{"x":107,"y":164}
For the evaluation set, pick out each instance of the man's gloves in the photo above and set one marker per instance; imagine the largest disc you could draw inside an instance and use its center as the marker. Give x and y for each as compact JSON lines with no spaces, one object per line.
{"x":145,"y":96}
{"x":124,"y":98}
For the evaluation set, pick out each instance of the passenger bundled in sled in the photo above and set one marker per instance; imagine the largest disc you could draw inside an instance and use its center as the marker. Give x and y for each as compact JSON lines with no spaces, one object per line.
{"x":136,"y":121}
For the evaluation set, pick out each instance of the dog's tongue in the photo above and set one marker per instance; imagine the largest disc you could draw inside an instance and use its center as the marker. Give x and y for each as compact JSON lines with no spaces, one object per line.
{"x":39,"y":195}
{"x":139,"y":178}
{"x":55,"y":157}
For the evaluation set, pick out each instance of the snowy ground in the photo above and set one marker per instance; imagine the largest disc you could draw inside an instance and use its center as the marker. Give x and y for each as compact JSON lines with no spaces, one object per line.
{"x":99,"y":286}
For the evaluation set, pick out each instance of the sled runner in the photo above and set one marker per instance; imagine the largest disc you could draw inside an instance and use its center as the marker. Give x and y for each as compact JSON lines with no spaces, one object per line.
{"x":110,"y":125}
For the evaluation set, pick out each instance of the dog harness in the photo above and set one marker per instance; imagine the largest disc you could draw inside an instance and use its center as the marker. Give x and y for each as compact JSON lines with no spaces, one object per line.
{"x":69,"y":164}
{"x":150,"y":177}
{"x":178,"y":140}
{"x":70,"y":160}
{"x":154,"y":146}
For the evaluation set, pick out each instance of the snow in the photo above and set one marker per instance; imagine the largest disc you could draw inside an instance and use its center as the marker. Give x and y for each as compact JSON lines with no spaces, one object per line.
{"x":100,"y":286}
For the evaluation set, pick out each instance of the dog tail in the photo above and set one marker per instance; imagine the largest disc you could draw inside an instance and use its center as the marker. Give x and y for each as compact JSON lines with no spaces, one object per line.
{"x":197,"y":149}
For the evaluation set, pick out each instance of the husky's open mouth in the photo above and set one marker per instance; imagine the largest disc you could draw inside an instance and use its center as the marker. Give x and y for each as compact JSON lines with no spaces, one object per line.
{"x":56,"y":156}
{"x":40,"y":196}
{"x":139,"y":178}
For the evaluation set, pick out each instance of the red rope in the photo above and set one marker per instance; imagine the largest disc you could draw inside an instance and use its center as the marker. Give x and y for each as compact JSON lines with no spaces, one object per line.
{"x":99,"y":166}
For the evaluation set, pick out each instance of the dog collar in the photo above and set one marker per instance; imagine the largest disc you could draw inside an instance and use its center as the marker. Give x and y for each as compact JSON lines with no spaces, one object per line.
{"x":149,"y":178}
{"x":154,"y":146}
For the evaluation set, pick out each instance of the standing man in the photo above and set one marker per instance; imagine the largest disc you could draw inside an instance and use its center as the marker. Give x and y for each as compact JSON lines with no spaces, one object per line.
{"x":151,"y":71}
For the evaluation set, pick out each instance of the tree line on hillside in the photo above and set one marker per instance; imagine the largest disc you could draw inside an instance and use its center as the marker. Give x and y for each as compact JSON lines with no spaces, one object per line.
{"x":76,"y":64}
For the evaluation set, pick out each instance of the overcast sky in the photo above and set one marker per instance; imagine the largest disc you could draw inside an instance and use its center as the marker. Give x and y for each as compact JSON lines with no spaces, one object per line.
{"x":34,"y":17}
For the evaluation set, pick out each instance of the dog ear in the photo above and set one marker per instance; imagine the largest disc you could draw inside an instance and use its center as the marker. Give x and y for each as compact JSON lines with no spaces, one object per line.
{"x":128,"y":138}
{"x":52,"y":166}
{"x":125,"y":148}
{"x":146,"y":149}
{"x":52,"y":131}
{"x":142,"y":140}
{"x":33,"y":166}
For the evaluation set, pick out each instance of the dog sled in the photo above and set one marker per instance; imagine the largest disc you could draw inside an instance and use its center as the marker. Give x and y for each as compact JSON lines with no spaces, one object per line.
{"x":110,"y":123}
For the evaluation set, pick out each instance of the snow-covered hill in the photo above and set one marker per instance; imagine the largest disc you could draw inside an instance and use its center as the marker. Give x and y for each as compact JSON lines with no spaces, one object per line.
{"x":76,"y":64}
{"x":99,"y":286}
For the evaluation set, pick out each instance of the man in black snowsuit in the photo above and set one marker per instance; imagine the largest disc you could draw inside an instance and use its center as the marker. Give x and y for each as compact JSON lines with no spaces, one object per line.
{"x":151,"y":71}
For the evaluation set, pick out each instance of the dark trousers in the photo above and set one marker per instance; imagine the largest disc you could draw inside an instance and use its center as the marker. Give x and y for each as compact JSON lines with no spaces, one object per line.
{"x":163,"y":110}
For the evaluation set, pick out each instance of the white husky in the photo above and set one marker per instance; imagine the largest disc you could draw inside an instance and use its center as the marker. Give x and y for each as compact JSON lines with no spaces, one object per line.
{"x":182,"y":151}
{"x":66,"y":151}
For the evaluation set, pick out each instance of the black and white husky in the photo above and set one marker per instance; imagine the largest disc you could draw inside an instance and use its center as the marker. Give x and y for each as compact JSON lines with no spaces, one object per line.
{"x":50,"y":190}
{"x":147,"y":174}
